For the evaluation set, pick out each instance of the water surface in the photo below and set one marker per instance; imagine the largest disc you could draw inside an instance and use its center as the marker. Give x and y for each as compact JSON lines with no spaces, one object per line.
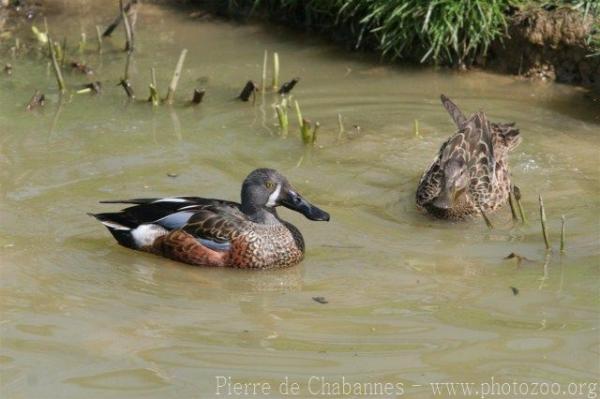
{"x":410,"y":299}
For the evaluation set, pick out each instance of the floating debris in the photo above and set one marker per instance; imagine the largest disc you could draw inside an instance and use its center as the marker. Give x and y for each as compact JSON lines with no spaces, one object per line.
{"x":288,"y":86}
{"x":93,"y":87}
{"x":320,"y":299}
{"x":248,"y":90}
{"x":37,"y":100}
{"x":515,"y":290}
{"x":8,"y":69}
{"x":520,"y":259}
{"x":175,"y":79}
{"x":198,"y":96}
{"x":81,"y":67}
{"x":173,"y":175}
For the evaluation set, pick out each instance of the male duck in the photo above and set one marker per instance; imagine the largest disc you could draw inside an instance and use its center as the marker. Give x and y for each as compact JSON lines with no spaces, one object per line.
{"x":470,"y":173}
{"x":212,"y":232}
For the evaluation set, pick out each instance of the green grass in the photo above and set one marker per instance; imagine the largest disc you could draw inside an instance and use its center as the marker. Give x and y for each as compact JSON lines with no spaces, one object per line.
{"x":450,"y":32}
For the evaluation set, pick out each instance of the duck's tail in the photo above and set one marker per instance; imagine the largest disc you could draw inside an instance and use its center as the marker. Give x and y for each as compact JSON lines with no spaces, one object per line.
{"x":120,"y":227}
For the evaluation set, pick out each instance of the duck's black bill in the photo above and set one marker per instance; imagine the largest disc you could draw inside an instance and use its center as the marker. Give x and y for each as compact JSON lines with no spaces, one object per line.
{"x":295,"y":202}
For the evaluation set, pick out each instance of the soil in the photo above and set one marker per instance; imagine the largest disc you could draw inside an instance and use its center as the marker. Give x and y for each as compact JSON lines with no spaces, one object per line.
{"x":549,"y":45}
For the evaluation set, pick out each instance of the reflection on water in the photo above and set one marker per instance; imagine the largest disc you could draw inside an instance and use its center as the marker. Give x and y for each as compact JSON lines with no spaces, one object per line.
{"x":410,"y":299}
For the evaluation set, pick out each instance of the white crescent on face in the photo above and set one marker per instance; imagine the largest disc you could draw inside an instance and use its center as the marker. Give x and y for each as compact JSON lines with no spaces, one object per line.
{"x":274,"y":195}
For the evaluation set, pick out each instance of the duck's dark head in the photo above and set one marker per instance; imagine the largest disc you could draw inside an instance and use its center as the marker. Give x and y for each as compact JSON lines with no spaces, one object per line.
{"x":266,"y":189}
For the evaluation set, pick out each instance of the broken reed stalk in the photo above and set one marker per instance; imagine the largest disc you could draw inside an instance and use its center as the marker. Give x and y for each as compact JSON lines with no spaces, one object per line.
{"x":314,"y":132}
{"x":486,"y":219}
{"x":127,"y":87}
{"x":282,"y":116}
{"x":153,"y":95}
{"x":288,"y":86}
{"x":517,"y":193}
{"x":198,"y":96}
{"x":562,"y":233}
{"x":416,"y":128}
{"x":128,"y":30}
{"x":247,"y":91}
{"x":127,"y":62}
{"x":99,"y":38}
{"x":275,"y":84}
{"x":263,"y":83}
{"x":513,"y":211}
{"x":82,"y":42}
{"x":153,"y":76}
{"x":59,"y":78}
{"x":175,"y":79}
{"x":543,"y":222}
{"x":340,"y":126}
{"x":305,"y":132}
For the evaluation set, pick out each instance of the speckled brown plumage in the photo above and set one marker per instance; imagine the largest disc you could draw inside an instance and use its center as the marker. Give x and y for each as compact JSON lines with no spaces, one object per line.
{"x":209,"y":232}
{"x":476,"y":154}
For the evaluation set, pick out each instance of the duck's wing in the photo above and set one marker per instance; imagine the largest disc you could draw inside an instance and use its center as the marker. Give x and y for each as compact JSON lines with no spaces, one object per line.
{"x":457,"y":116}
{"x":137,"y":226}
{"x":480,"y":158}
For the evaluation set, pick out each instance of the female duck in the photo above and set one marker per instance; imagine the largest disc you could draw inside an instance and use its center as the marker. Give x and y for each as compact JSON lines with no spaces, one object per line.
{"x":470,"y":173}
{"x":212,"y":232}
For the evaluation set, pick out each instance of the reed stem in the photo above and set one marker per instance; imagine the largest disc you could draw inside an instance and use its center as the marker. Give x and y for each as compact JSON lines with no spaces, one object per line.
{"x":56,"y":67}
{"x":543,"y":222}
{"x":263,"y":83}
{"x":488,"y":223}
{"x":282,"y":116}
{"x":128,"y":30}
{"x":513,"y":211}
{"x":99,"y":38}
{"x":176,"y":75}
{"x":275,"y":84}
{"x":517,"y":193}
{"x":340,"y":127}
{"x":562,"y":233}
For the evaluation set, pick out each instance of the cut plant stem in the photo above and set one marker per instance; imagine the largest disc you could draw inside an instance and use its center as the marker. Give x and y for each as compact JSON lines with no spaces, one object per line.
{"x":282,"y":116}
{"x":340,"y":126}
{"x":513,"y":211}
{"x":314,"y":132}
{"x":153,"y":76}
{"x":517,"y":193}
{"x":198,"y":96}
{"x":127,"y":63}
{"x":153,"y":95}
{"x":305,"y":131}
{"x":99,"y":38}
{"x":82,"y":42}
{"x":562,"y":233}
{"x":127,"y":87}
{"x":275,"y":84}
{"x":288,"y":86}
{"x":263,"y":83}
{"x":416,"y":128}
{"x":94,"y":88}
{"x":486,"y":219}
{"x":298,"y":113}
{"x":128,"y":30}
{"x":57,"y":72}
{"x":247,"y":91}
{"x":543,"y":222}
{"x":175,"y":79}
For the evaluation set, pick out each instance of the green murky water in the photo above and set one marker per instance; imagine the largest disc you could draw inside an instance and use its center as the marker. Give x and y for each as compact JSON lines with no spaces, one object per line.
{"x":411,"y":300}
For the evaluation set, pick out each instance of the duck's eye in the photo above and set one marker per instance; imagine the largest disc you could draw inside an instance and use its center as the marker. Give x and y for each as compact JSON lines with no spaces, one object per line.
{"x":269,"y":184}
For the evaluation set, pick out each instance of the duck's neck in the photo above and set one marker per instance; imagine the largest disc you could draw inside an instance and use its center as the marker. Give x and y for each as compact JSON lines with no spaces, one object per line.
{"x":260,"y":214}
